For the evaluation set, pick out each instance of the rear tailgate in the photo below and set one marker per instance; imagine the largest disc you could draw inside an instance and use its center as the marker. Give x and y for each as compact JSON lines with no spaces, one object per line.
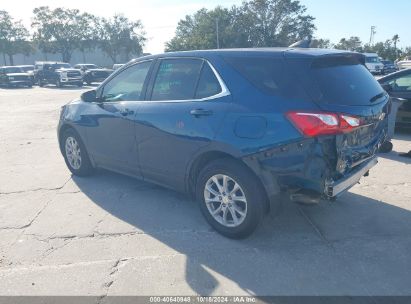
{"x":340,"y":83}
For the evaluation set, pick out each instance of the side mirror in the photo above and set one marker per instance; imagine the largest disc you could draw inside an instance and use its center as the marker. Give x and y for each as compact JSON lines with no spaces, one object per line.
{"x":387,"y":87}
{"x":89,"y":96}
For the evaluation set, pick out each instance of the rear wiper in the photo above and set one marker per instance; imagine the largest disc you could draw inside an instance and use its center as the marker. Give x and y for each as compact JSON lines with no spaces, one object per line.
{"x":378,"y":96}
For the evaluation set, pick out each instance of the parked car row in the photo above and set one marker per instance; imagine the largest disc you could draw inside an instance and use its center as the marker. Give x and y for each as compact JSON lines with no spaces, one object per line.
{"x":377,"y":66}
{"x":55,"y":73}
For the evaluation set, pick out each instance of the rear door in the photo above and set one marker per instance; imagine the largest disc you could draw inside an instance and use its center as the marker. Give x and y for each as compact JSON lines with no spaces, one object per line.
{"x":186,"y":104}
{"x":340,"y":83}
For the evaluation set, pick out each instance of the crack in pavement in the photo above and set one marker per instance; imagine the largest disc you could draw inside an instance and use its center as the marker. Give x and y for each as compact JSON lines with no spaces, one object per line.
{"x":37,"y":189}
{"x":315,"y":227}
{"x":31,"y":221}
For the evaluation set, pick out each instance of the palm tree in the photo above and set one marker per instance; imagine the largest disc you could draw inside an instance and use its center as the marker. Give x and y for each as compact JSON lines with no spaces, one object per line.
{"x":396,"y":39}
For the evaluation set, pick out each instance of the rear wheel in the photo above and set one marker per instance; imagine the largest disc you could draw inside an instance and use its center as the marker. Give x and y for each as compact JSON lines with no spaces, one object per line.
{"x":75,"y":154}
{"x":230,"y":197}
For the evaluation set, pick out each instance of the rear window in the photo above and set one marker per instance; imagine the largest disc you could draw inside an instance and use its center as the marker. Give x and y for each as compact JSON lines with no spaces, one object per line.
{"x":342,"y":80}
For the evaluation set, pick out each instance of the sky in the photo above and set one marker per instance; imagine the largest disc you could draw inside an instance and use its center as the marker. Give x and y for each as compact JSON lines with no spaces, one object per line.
{"x":334,"y":18}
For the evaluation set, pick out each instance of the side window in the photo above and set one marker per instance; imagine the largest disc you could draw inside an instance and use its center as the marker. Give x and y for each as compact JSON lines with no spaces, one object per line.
{"x":208,"y":84}
{"x":176,"y":79}
{"x":128,"y":85}
{"x":401,"y":84}
{"x":267,"y":74}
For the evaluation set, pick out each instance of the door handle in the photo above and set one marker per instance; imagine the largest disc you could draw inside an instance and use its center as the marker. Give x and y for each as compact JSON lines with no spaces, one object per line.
{"x":200,"y":112}
{"x":126,"y":112}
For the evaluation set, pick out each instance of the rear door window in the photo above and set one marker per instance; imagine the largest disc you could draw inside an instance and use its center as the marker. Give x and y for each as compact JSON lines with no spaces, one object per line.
{"x":177,"y":79}
{"x":208,"y":84}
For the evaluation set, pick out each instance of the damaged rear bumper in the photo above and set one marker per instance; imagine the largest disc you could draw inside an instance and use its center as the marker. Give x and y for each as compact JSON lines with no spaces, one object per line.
{"x":334,"y":188}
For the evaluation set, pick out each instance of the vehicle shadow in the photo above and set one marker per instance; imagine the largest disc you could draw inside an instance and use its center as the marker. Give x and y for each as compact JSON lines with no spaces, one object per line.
{"x":394,"y":155}
{"x":15,"y":88}
{"x":338,"y":248}
{"x":71,"y":87}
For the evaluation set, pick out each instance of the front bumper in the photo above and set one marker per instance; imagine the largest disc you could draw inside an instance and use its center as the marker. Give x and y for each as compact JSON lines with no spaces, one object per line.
{"x":20,"y":82}
{"x":335,"y":188}
{"x":71,"y":80}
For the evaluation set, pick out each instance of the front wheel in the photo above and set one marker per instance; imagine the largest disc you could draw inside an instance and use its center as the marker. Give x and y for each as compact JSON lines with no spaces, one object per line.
{"x":75,"y":154}
{"x":231,"y":198}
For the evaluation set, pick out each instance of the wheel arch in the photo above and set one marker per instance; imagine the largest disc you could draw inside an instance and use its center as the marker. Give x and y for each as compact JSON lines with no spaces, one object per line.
{"x":64,"y":128}
{"x":204,"y":158}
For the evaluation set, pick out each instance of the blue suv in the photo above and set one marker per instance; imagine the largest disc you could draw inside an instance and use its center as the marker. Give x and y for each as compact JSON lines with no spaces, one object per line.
{"x":237,"y":129}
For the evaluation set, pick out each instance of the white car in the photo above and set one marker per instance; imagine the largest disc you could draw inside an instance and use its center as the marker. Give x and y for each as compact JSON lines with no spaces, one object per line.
{"x":404,"y":64}
{"x":373,"y":63}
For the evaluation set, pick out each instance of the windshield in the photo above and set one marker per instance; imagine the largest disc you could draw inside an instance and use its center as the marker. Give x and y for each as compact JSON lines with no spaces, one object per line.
{"x":372,"y":60}
{"x":13,"y":70}
{"x":27,"y":68}
{"x":61,"y":66}
{"x":91,"y":66}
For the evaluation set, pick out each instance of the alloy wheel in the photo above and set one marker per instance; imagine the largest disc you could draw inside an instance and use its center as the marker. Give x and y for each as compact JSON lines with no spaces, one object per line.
{"x":225,"y":200}
{"x":73,"y":153}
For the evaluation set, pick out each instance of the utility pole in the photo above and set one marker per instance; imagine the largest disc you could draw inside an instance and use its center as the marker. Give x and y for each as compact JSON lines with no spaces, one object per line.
{"x":372,"y":34}
{"x":218,"y":40}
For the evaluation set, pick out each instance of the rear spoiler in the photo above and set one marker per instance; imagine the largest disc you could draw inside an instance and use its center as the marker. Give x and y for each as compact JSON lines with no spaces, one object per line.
{"x":338,"y":59}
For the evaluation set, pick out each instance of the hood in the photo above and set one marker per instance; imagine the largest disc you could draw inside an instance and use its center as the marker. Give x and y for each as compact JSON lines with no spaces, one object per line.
{"x":100,"y":70}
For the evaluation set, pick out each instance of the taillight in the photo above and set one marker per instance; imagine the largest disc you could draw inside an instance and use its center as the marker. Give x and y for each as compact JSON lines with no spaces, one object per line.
{"x":313,"y":124}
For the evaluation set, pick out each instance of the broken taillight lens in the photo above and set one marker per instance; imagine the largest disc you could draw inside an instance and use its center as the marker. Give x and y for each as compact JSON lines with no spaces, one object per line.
{"x":314,"y":124}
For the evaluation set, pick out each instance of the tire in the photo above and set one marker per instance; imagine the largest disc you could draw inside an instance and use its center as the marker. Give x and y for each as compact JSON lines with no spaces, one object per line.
{"x":83,"y":167}
{"x":79,"y":84}
{"x":41,"y":84}
{"x":386,"y":147}
{"x":250,"y":189}
{"x":59,"y":84}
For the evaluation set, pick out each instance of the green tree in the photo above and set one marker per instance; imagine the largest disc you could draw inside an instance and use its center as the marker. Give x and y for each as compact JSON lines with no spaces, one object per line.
{"x":88,"y":39}
{"x":385,"y":49}
{"x":351,"y":44}
{"x":206,"y":29}
{"x":395,"y":39}
{"x":321,"y":43}
{"x":256,"y":23}
{"x":120,"y":36}
{"x":13,"y":37}
{"x":276,"y":22}
{"x":59,"y":31}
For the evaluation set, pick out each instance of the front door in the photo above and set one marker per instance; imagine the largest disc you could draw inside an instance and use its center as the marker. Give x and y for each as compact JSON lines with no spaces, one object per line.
{"x":111,"y":132}
{"x":401,"y":88}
